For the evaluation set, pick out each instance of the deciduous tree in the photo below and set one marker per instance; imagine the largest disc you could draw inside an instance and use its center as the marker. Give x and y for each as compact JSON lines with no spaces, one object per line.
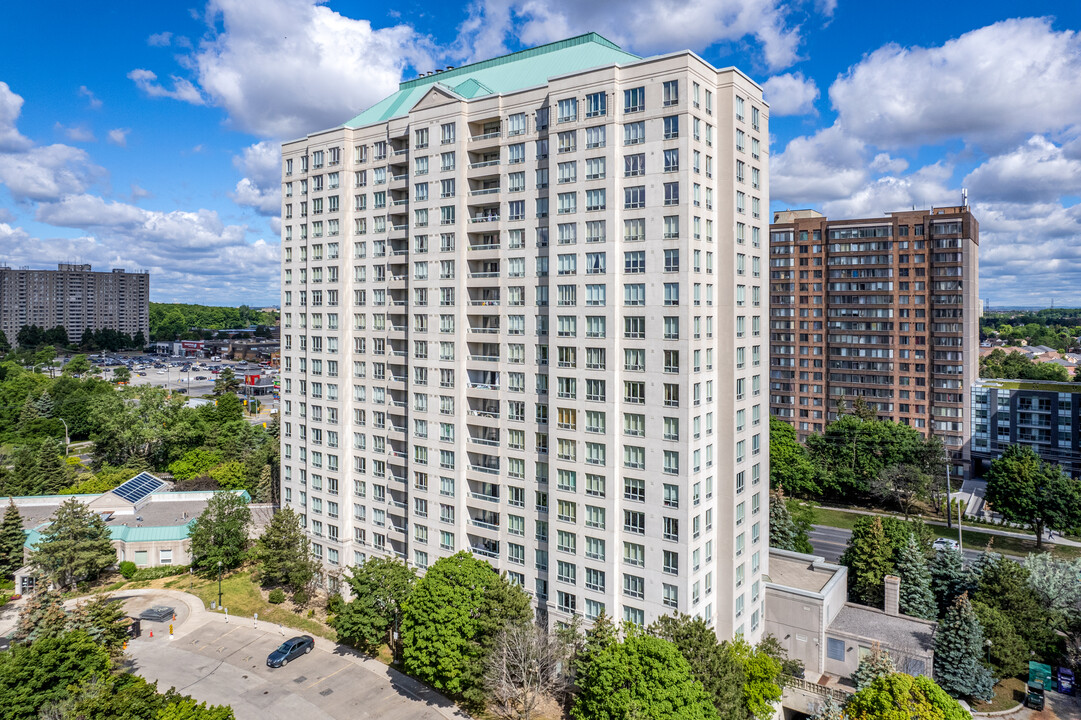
{"x":641,"y":677}
{"x":714,"y":664}
{"x":380,"y":588}
{"x":451,"y":619}
{"x":1024,"y":488}
{"x":33,"y":676}
{"x":524,"y":670}
{"x":220,"y":533}
{"x":903,"y":697}
{"x":790,"y":468}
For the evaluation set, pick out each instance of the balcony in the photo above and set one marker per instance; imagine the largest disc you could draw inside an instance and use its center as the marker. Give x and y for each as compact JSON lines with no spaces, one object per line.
{"x":483,"y":379}
{"x":484,"y":547}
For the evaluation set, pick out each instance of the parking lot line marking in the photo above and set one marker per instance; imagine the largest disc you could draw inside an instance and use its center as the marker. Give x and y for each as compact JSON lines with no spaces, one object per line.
{"x":326,"y":678}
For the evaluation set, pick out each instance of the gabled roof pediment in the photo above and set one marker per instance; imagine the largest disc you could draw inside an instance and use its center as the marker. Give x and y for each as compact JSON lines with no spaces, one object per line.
{"x":437,"y":96}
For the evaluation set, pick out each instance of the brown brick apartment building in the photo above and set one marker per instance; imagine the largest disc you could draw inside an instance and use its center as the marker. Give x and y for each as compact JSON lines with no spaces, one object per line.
{"x":885,"y":309}
{"x":75,"y":297}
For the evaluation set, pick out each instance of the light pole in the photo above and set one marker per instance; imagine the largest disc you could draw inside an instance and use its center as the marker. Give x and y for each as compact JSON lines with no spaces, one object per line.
{"x":219,"y":584}
{"x":67,"y":436}
{"x":988,"y":643}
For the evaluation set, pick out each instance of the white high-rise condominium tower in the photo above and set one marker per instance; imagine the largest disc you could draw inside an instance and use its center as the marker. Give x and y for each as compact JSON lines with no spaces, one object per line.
{"x":524,"y":315}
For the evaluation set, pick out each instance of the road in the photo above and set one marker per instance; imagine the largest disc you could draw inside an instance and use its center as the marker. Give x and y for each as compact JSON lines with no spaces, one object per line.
{"x":830,"y":542}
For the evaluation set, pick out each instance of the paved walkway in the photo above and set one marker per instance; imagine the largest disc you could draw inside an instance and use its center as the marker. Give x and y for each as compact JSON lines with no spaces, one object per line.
{"x":1057,"y":540}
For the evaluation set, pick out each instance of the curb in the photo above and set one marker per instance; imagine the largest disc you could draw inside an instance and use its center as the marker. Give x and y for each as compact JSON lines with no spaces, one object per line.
{"x":999,"y":713}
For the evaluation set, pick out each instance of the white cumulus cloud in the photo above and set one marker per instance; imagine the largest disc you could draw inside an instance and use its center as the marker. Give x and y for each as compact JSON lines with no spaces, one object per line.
{"x":282,"y":68}
{"x":643,"y":26}
{"x":996,"y":84}
{"x":183,"y":89}
{"x":790,"y":94}
{"x":1039,"y":170}
{"x":119,"y":136}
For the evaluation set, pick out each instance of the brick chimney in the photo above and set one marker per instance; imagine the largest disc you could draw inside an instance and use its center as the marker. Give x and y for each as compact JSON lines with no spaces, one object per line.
{"x":893,"y":595}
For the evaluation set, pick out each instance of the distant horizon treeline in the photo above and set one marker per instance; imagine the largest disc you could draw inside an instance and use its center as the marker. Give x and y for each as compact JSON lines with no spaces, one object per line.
{"x":173,"y":321}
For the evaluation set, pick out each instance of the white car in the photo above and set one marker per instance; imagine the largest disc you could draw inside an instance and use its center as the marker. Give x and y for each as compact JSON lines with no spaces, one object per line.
{"x":944,"y":544}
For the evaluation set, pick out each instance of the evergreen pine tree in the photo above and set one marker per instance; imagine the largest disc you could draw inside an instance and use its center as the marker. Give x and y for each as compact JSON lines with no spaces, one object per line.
{"x":12,"y":539}
{"x":983,"y":561}
{"x":877,"y":664}
{"x":869,"y":557}
{"x":42,"y":616}
{"x":948,"y":578}
{"x":830,"y":709}
{"x":44,"y":405}
{"x":782,"y":531}
{"x":50,"y":470}
{"x":262,"y":488}
{"x":284,"y":554}
{"x":917,"y":599}
{"x":103,"y":620}
{"x":29,"y":413}
{"x":958,"y":649}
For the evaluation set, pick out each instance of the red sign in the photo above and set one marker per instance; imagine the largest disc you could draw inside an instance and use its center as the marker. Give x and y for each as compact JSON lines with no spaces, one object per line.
{"x":252,"y":379}
{"x":192,"y":344}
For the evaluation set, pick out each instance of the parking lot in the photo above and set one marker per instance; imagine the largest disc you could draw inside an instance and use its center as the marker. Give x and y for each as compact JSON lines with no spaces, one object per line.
{"x":225,"y":663}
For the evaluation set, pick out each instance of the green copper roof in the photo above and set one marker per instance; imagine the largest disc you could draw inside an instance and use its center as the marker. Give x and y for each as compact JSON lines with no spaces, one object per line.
{"x":517,"y":71}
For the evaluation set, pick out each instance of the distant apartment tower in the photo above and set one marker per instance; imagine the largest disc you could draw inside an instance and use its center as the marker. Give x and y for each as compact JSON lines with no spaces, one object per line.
{"x":75,"y":297}
{"x":884,"y":309}
{"x":523,"y":315}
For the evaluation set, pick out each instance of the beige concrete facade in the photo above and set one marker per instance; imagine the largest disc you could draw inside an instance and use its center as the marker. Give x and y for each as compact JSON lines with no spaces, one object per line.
{"x":538,"y":336}
{"x":807,"y":611}
{"x":75,"y":297}
{"x":884,"y":309}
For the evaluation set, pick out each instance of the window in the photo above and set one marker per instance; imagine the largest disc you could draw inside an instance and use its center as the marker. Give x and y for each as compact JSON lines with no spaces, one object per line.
{"x":671,"y":92}
{"x":567,"y":110}
{"x":634,"y":133}
{"x":634,"y":262}
{"x":671,"y":160}
{"x":595,"y":199}
{"x":634,"y":522}
{"x":516,"y":124}
{"x":634,"y":197}
{"x":634,"y":489}
{"x":596,"y":104}
{"x":446,"y":133}
{"x":835,"y":649}
{"x":595,"y":137}
{"x":634,"y":100}
{"x":671,"y":193}
{"x":671,"y":127}
{"x":634,"y":165}
{"x":595,"y":168}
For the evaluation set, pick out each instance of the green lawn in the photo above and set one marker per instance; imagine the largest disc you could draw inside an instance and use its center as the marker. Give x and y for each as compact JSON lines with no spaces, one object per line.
{"x":243,"y":598}
{"x":1009,"y":693}
{"x":973,"y":539}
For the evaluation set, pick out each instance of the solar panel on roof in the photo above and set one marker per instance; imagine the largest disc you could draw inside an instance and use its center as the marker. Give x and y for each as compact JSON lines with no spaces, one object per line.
{"x":138,"y":487}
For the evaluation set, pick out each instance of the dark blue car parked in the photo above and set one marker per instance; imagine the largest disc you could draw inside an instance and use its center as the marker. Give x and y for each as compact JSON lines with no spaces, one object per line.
{"x":290,"y":650}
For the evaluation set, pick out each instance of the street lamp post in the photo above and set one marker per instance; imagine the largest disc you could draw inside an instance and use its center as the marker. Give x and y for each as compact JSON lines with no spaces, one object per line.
{"x":219,"y":583}
{"x":67,"y":436}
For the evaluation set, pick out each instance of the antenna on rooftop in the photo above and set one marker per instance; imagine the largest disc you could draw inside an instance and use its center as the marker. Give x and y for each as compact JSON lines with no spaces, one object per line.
{"x":964,"y":197}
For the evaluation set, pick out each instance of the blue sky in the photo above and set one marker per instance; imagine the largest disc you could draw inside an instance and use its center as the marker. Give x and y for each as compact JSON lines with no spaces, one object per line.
{"x":146,"y":135}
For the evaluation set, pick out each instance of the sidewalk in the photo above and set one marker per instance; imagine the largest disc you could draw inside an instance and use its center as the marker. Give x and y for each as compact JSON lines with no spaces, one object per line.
{"x":1020,"y":535}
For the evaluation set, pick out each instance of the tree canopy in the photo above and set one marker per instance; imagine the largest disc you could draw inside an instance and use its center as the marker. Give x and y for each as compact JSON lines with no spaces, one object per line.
{"x":379,"y":588}
{"x":450,"y":622}
{"x":75,"y":546}
{"x":903,"y":697}
{"x":1024,"y":488}
{"x":641,"y":676}
{"x":220,"y":533}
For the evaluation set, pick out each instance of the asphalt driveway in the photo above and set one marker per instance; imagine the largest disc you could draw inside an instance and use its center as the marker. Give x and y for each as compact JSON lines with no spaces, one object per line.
{"x":225,"y":663}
